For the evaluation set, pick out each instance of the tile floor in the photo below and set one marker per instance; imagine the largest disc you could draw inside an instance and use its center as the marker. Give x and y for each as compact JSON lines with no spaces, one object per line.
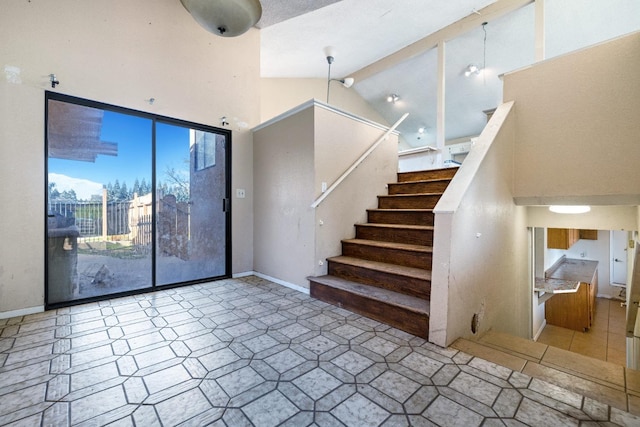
{"x":247,"y":352}
{"x":604,"y":341}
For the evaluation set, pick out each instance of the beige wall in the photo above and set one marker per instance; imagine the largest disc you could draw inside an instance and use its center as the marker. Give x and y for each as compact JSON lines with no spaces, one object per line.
{"x":284,"y":190}
{"x":293,"y":155}
{"x":481,"y":244}
{"x":577,"y":126}
{"x":280,"y":95}
{"x":123,"y":53}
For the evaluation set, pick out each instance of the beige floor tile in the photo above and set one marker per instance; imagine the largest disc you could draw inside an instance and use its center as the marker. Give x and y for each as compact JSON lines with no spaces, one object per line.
{"x":617,"y":341}
{"x":555,"y":341}
{"x":495,"y":356}
{"x":515,"y":345}
{"x":585,"y":367}
{"x":618,"y":357}
{"x":633,"y":380}
{"x":634,"y":405}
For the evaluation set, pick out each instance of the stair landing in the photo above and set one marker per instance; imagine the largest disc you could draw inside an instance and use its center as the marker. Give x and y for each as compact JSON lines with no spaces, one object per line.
{"x":602,"y":381}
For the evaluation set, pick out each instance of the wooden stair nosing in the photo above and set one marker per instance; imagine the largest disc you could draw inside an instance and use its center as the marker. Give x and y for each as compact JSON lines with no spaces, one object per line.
{"x":397,"y":226}
{"x":383,"y":267}
{"x":407,"y":302}
{"x":399,"y":196}
{"x":390,"y":245}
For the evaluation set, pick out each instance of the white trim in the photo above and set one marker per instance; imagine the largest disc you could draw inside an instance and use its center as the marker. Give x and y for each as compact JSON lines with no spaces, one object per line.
{"x":537,"y":335}
{"x":320,"y":104}
{"x":424,"y":148}
{"x":21,"y":312}
{"x":274,"y":280}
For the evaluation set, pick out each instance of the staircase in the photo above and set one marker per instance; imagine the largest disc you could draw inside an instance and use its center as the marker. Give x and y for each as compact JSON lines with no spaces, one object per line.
{"x":385,"y":272}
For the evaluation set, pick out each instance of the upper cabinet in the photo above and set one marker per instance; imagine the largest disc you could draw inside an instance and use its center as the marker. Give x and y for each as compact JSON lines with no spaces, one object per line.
{"x":589,"y":234}
{"x":564,"y":238}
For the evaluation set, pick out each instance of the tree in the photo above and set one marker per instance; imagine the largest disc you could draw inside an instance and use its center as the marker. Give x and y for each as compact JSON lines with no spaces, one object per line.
{"x":115,"y":195}
{"x":136,"y":188}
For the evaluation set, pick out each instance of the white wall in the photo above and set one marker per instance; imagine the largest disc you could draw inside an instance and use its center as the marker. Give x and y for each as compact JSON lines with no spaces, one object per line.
{"x":123,"y":53}
{"x":481,"y":243}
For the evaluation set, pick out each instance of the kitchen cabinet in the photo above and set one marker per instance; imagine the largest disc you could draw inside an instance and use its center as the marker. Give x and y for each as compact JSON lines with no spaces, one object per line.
{"x":562,"y":238}
{"x":589,"y":234}
{"x":574,"y":310}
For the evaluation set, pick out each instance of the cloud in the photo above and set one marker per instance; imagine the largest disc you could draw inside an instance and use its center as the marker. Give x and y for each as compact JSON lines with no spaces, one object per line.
{"x":84,"y":188}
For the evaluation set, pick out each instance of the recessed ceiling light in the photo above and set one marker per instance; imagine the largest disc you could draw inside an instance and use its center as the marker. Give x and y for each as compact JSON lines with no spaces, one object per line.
{"x":569,"y":209}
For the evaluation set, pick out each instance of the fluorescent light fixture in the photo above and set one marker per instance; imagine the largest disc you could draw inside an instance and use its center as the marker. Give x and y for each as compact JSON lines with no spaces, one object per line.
{"x":569,"y":209}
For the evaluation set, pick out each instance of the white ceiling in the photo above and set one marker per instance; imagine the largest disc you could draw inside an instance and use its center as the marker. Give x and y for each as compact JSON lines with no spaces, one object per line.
{"x":295,"y":32}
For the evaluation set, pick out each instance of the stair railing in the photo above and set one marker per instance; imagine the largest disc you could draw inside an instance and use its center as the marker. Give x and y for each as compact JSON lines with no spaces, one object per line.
{"x":355,"y":164}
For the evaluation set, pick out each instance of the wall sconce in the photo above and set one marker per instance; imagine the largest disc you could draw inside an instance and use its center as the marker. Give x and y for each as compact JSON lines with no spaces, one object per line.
{"x":393,"y":98}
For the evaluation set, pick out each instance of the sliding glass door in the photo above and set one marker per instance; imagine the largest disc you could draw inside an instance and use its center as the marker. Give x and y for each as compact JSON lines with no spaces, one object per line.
{"x":134,"y":201}
{"x":191,"y":204}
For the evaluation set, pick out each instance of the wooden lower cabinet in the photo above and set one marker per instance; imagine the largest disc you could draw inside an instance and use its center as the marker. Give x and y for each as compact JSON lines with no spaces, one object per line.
{"x":573,"y":310}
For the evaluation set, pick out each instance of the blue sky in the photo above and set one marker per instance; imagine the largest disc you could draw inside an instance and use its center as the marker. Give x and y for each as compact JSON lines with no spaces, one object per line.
{"x":133,"y":135}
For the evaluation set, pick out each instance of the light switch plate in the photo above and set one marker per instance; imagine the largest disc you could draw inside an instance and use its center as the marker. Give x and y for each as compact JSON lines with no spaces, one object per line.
{"x":240,"y":193}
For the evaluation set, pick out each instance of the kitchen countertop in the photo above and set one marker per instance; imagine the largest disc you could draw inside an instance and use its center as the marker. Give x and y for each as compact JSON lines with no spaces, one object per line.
{"x":556,"y":286}
{"x":566,"y":275}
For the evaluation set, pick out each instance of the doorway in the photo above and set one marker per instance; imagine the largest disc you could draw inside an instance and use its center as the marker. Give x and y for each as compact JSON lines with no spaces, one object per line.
{"x":134,"y":201}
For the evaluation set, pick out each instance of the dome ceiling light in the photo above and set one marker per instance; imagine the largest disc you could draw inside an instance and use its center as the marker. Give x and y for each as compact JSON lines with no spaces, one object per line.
{"x":226,"y":18}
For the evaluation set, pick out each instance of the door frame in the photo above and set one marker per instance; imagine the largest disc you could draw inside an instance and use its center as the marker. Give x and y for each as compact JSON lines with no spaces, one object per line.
{"x":154,"y":118}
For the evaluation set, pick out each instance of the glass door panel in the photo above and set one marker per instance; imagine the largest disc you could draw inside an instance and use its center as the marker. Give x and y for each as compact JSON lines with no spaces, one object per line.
{"x":99,"y":204}
{"x":191,"y":213}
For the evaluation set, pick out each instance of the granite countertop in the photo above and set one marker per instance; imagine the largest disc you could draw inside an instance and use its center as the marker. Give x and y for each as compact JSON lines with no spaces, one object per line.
{"x":574,"y":269}
{"x":566,"y":275}
{"x":556,"y":286}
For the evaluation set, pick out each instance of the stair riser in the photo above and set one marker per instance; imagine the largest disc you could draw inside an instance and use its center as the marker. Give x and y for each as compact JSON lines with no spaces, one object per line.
{"x":413,"y":237}
{"x":424,"y":175}
{"x":427,"y":201}
{"x":420,"y":288}
{"x":388,"y":255}
{"x":406,"y":320}
{"x":399,"y":217}
{"x":418,"y":187}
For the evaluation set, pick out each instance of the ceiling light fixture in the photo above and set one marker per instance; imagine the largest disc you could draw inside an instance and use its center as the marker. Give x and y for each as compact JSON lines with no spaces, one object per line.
{"x":348,"y":82}
{"x":226,"y":18}
{"x":329,"y":53}
{"x":569,"y":209}
{"x":393,"y":98}
{"x":471,"y":69}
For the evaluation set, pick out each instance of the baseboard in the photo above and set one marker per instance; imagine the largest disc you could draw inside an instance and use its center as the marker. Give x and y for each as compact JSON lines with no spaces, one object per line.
{"x":21,"y":312}
{"x":537,"y":335}
{"x":274,"y":280}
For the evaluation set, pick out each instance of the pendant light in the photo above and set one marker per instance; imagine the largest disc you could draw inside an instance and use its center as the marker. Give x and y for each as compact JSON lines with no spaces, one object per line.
{"x":226,"y":18}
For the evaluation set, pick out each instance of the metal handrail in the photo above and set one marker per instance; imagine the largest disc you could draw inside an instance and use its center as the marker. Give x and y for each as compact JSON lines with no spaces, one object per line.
{"x":355,"y":164}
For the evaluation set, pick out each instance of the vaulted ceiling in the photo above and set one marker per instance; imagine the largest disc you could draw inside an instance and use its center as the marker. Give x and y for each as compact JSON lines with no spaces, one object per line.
{"x":363,"y":32}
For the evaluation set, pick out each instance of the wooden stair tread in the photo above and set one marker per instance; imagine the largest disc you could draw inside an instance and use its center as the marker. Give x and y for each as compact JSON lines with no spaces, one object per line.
{"x":421,"y":181}
{"x":380,"y":244}
{"x":391,"y":226}
{"x":417,"y":273}
{"x":414,"y":304}
{"x":399,"y":210}
{"x":412,"y":194}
